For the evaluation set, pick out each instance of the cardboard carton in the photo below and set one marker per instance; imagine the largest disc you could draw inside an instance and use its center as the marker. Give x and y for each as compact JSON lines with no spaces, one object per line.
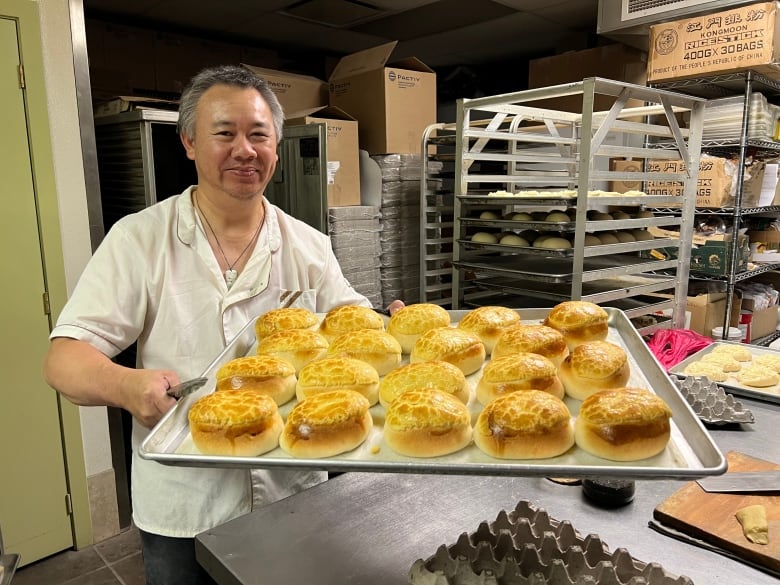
{"x":341,"y":132}
{"x":614,"y":61}
{"x":709,"y":254}
{"x":296,"y":93}
{"x":392,"y":102}
{"x":713,"y":187}
{"x":708,"y":311}
{"x":737,"y":39}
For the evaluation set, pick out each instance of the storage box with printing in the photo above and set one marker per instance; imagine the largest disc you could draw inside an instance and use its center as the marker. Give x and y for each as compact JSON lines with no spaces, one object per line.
{"x":296,"y":92}
{"x":341,"y":138}
{"x":715,"y":183}
{"x":737,"y":39}
{"x":392,"y":102}
{"x":710,"y":255}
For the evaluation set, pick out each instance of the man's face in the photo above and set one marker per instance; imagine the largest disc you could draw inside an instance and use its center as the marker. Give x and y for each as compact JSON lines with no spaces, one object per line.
{"x":234,"y":147}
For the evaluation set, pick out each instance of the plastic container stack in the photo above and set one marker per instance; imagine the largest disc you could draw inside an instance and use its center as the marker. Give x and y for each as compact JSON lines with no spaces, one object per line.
{"x":399,"y":260}
{"x":723,"y":118}
{"x":354,"y":234}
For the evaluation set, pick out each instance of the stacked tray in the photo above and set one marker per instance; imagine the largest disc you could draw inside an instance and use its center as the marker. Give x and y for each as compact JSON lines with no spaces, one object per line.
{"x":690,"y":452}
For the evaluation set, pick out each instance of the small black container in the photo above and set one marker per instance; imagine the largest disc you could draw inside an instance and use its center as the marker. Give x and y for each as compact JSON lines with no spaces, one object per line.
{"x":609,"y":492}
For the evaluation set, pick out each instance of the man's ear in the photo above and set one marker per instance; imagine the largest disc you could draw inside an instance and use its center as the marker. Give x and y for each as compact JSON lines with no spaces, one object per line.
{"x":189,"y":146}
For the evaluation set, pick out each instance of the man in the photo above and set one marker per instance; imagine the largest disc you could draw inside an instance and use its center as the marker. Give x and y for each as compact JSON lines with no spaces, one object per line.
{"x":182,"y":278}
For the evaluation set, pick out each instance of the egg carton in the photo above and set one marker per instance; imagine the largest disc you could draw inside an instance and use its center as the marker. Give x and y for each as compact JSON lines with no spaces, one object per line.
{"x":711,"y":403}
{"x":527,"y":547}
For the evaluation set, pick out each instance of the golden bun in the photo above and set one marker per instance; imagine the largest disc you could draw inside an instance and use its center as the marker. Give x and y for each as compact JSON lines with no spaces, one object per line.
{"x":594,"y":366}
{"x":338,"y":373}
{"x":436,"y":375}
{"x":283,"y":319}
{"x":238,"y":423}
{"x":450,"y":344}
{"x":297,"y":346}
{"x":623,"y":424}
{"x":326,"y":424}
{"x":524,"y":425}
{"x":488,"y":323}
{"x":538,"y":339}
{"x":378,"y":348}
{"x":579,"y":321}
{"x":263,"y":373}
{"x":427,"y":423}
{"x":411,"y":321}
{"x":518,"y":372}
{"x":349,"y":318}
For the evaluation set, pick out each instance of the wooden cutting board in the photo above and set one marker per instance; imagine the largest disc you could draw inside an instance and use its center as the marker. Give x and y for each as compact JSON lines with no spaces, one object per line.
{"x":710,"y":516}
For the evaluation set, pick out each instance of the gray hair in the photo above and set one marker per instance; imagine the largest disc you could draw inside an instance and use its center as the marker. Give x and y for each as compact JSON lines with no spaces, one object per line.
{"x":234,"y":75}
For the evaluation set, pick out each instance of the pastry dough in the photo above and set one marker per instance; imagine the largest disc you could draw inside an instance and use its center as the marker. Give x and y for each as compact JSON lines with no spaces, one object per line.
{"x":338,"y":373}
{"x":758,"y":376}
{"x":768,"y":360}
{"x":378,"y":348}
{"x":524,"y":425}
{"x":349,"y":318}
{"x":297,"y":346}
{"x":579,"y":321}
{"x":408,"y":323}
{"x":427,"y":423}
{"x":722,"y":360}
{"x":437,"y":375}
{"x":450,"y":344}
{"x":539,"y":339}
{"x":516,"y":373}
{"x":594,"y":366}
{"x":737,"y":351}
{"x":263,"y":373}
{"x":283,"y":319}
{"x":754,"y":523}
{"x":488,"y":323}
{"x":709,"y":369}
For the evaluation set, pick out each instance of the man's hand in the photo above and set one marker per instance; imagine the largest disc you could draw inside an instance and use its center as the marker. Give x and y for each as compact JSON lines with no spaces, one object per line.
{"x":144,"y":394}
{"x":395,"y":306}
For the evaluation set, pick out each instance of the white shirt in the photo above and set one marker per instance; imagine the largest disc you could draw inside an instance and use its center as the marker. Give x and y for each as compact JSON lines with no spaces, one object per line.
{"x":155,"y":279}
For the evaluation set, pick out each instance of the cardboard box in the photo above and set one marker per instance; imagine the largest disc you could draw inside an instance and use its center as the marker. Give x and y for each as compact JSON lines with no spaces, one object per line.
{"x":708,"y":311}
{"x":737,"y":39}
{"x":296,"y":93}
{"x":709,"y":255}
{"x":714,"y":184}
{"x":392,"y":102}
{"x":615,"y":61}
{"x":341,"y":131}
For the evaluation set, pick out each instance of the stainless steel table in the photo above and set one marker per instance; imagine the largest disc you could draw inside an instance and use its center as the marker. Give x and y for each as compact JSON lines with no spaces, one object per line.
{"x":370,"y":528}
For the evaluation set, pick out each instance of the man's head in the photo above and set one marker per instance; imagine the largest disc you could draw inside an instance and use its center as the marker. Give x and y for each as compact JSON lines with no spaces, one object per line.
{"x":233,"y":75}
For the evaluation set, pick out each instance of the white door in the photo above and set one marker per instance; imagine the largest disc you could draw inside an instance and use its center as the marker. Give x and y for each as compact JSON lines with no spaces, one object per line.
{"x":34,"y":503}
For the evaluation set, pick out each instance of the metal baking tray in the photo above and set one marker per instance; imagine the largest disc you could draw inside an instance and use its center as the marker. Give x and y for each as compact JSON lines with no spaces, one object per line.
{"x":770,"y":394}
{"x":691,"y":451}
{"x":8,"y":562}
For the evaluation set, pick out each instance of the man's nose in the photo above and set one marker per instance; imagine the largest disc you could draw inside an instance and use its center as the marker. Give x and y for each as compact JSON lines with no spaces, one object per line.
{"x":243,"y":148}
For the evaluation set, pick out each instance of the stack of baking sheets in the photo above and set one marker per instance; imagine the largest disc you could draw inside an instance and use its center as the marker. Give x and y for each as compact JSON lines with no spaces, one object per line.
{"x":723,"y":118}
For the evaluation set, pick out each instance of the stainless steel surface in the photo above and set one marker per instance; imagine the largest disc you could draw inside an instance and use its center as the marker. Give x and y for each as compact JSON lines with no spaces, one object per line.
{"x":746,"y":481}
{"x":369,"y":528}
{"x":731,"y":385}
{"x":186,"y":388}
{"x":690,"y":453}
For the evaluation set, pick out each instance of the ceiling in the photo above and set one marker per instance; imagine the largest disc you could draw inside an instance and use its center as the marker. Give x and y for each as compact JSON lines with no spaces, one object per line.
{"x":442,"y":33}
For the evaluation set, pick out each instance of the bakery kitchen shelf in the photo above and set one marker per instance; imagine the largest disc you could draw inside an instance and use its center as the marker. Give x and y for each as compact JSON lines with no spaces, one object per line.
{"x":514,"y":154}
{"x":745,"y":86}
{"x":690,"y":453}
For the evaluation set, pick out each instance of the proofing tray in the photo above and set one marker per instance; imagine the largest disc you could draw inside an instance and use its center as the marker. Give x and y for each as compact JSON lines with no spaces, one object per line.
{"x":527,"y":547}
{"x":770,"y":394}
{"x":690,"y":453}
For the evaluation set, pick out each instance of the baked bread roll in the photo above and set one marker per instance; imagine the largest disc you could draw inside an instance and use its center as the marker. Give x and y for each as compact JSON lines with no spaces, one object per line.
{"x":709,"y":369}
{"x":408,"y":323}
{"x":623,"y":424}
{"x":488,"y":323}
{"x":427,"y":423}
{"x":297,"y":346}
{"x":450,"y":344}
{"x":378,"y":348}
{"x":579,"y":321}
{"x":241,"y":423}
{"x":524,"y":425}
{"x":436,"y":375}
{"x":538,"y":339}
{"x":349,"y":318}
{"x":283,"y":319}
{"x":594,"y":366}
{"x":338,"y":373}
{"x":263,"y":373}
{"x":518,"y":372}
{"x":326,"y":424}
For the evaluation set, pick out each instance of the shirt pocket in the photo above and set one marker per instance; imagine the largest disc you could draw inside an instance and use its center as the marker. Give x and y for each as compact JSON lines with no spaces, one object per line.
{"x":304,"y":299}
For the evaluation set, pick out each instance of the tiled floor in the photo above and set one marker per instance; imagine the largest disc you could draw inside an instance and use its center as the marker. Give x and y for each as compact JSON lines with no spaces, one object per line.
{"x":116,"y":561}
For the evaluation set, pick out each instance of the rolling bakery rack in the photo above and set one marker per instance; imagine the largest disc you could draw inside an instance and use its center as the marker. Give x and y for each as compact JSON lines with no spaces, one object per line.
{"x":514,"y":154}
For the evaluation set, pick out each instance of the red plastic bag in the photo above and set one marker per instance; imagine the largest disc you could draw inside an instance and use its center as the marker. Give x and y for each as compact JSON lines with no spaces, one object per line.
{"x":671,"y":346}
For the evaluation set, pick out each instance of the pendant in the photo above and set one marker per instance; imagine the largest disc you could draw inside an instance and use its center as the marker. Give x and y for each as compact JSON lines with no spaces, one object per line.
{"x":230,"y":277}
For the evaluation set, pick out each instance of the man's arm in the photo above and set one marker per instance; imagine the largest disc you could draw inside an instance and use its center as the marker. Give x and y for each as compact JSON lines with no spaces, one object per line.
{"x":87,"y":377}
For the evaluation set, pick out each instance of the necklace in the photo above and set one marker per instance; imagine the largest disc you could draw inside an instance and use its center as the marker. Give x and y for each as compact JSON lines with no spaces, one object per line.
{"x":230,"y":273}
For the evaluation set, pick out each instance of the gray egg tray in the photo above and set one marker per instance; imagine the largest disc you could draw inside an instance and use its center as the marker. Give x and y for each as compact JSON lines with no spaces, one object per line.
{"x":527,"y":547}
{"x":711,"y":403}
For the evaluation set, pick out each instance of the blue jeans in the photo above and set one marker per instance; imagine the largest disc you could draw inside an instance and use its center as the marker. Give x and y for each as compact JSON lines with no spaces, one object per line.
{"x":171,"y":561}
